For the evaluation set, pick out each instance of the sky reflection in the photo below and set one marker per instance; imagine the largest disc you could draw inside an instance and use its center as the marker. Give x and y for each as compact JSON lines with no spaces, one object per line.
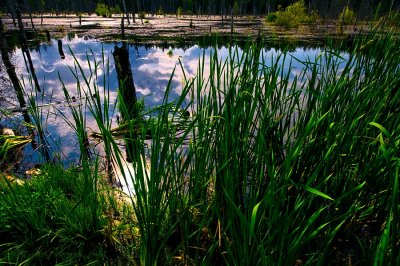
{"x":151,"y":68}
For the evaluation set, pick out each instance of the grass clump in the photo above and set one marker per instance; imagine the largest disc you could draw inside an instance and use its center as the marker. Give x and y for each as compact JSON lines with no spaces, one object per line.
{"x":347,"y":16}
{"x":102,"y":10}
{"x":278,"y":166}
{"x":58,"y":217}
{"x":269,"y":165}
{"x":271,"y":17}
{"x":179,"y":12}
{"x":292,"y":16}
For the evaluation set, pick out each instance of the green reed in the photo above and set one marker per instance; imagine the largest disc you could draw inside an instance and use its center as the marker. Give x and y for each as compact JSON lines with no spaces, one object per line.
{"x":276,"y":166}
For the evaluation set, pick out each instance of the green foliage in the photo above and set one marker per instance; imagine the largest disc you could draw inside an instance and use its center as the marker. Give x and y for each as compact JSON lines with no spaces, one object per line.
{"x":179,"y":12}
{"x":105,"y":11}
{"x":313,"y":18}
{"x":292,"y":16}
{"x":8,"y":143}
{"x":274,"y":164}
{"x":170,"y":52}
{"x":212,"y":7}
{"x":393,"y":18}
{"x":236,"y":8}
{"x":271,"y":17}
{"x":142,"y":15}
{"x":56,"y":218}
{"x":160,"y":11}
{"x":116,"y":10}
{"x":347,"y":16}
{"x":102,"y":10}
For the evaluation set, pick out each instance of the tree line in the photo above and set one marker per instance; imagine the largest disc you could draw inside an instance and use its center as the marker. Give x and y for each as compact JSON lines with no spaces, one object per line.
{"x":325,"y":8}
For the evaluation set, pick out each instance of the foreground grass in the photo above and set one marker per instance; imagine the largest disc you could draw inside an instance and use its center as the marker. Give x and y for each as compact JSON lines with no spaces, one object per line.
{"x":51,"y":219}
{"x":267,"y":171}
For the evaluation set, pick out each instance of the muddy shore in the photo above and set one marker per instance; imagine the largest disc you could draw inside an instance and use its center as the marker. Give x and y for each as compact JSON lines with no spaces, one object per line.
{"x":171,"y":29}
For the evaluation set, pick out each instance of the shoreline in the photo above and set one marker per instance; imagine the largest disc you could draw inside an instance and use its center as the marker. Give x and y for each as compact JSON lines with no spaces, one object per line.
{"x":170,"y":29}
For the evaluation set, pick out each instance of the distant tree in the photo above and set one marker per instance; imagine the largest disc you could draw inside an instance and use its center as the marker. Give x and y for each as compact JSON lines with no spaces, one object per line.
{"x":127,"y":14}
{"x":326,"y":8}
{"x":236,"y":8}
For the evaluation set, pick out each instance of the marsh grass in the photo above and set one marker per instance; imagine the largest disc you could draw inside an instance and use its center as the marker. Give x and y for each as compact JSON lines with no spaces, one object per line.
{"x":278,"y":166}
{"x":52,"y":219}
{"x":266,"y":170}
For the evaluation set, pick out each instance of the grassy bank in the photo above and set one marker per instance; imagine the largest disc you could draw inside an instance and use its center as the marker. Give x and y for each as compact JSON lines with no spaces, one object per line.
{"x":266,"y":170}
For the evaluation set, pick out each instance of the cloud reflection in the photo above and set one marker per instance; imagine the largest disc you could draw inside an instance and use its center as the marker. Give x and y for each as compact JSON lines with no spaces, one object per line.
{"x":151,"y":68}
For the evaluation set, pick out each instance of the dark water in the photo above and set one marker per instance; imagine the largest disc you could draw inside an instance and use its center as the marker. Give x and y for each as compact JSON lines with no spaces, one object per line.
{"x":151,"y":66}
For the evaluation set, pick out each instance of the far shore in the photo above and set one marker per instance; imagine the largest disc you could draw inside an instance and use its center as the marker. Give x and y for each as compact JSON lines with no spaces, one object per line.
{"x":170,"y":28}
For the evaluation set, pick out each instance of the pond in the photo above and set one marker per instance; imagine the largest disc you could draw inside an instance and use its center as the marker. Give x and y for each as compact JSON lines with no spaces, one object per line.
{"x":152,"y":68}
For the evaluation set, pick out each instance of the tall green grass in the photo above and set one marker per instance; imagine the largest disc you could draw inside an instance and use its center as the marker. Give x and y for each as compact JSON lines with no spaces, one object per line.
{"x":277,"y":170}
{"x":52,"y":219}
{"x":267,"y":169}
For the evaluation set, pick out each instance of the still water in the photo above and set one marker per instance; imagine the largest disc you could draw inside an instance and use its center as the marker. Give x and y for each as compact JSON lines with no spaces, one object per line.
{"x":152,"y":69}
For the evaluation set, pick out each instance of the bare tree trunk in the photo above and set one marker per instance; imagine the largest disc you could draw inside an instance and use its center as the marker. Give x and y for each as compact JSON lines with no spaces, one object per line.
{"x":127,"y":15}
{"x":13,"y":19}
{"x":48,"y":35}
{"x":127,"y":93}
{"x":122,"y":27}
{"x":10,"y":68}
{"x":222,"y":18}
{"x":231,"y":20}
{"x":13,"y":76}
{"x":33,"y":25}
{"x":60,"y":49}
{"x":25,"y":49}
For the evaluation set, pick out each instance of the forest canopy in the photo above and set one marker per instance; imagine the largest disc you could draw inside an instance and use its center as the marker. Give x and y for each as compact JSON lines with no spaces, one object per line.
{"x":325,"y":8}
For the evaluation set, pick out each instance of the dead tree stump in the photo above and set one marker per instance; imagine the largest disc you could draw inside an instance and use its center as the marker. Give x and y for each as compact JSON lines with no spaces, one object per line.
{"x":127,"y":102}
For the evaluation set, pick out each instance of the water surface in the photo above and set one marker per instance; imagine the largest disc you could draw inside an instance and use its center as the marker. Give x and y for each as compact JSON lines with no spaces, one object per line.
{"x":152,"y":69}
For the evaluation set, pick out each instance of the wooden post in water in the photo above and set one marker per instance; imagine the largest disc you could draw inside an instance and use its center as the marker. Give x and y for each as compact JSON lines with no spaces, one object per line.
{"x":222,"y":18}
{"x":11,"y":69}
{"x":231,"y":20}
{"x":33,"y":25}
{"x":128,"y":100}
{"x":15,"y":82}
{"x":60,"y":49}
{"x":25,"y":49}
{"x":122,"y":27}
{"x":48,"y":35}
{"x":13,"y":19}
